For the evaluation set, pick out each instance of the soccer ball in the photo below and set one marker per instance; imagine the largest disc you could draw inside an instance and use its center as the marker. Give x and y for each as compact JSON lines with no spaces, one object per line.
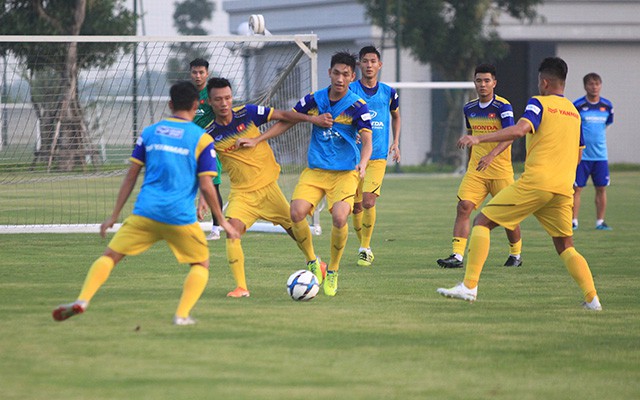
{"x":302,"y":285}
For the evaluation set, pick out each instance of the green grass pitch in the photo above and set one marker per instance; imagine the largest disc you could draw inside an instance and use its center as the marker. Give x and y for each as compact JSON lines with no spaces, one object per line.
{"x":386,"y":335}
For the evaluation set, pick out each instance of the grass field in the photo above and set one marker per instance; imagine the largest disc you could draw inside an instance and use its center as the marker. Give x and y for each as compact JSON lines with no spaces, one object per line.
{"x":386,"y":335}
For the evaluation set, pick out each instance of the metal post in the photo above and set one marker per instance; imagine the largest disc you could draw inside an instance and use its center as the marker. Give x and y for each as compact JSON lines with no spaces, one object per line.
{"x":3,"y":101}
{"x":134,"y":88}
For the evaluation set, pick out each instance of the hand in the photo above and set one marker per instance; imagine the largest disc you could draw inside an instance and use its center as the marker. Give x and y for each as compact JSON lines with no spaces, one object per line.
{"x":484,"y":162}
{"x":394,"y":152}
{"x":467,"y":141}
{"x":229,"y":230}
{"x":108,"y":223}
{"x":202,"y":208}
{"x":246,"y":142}
{"x":323,"y":120}
{"x":362,"y":169}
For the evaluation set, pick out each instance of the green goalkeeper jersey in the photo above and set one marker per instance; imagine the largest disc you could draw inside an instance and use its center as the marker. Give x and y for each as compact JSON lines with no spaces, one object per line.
{"x":204,"y":116}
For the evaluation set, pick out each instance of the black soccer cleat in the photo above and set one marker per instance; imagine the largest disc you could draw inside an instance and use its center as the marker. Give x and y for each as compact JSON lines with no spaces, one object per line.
{"x":513,"y":262}
{"x":450,"y":262}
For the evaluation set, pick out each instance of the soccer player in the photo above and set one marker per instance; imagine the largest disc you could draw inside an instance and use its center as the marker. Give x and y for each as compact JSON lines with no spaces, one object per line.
{"x":204,"y":115}
{"x":178,"y":157}
{"x":489,"y":169}
{"x":335,"y":163}
{"x":545,"y":189}
{"x":253,"y":171}
{"x":596,"y":113}
{"x":382,"y":101}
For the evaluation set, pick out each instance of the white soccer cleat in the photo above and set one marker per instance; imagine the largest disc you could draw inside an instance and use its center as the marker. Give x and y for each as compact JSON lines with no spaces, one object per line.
{"x":215,"y":234}
{"x":593,"y":305}
{"x":183,"y":321}
{"x":460,"y":291}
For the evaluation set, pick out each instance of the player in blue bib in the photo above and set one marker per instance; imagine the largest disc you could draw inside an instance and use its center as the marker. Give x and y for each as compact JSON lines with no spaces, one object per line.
{"x":179,"y":159}
{"x":382,"y":101}
{"x":597,"y":114}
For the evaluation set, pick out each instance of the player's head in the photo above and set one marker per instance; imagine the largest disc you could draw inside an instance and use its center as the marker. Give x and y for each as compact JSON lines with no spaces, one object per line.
{"x":184,"y":97}
{"x":369,"y":61}
{"x":199,"y":69}
{"x":552,"y":75}
{"x":220,"y":96}
{"x":484,"y":78}
{"x":592,"y":84}
{"x":342,"y":72}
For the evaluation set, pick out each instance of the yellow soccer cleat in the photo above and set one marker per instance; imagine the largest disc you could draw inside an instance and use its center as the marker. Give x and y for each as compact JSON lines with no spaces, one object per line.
{"x":318,"y":268}
{"x":331,"y":283}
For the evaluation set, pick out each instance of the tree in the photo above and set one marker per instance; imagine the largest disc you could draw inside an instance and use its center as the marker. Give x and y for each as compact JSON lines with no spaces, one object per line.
{"x":53,"y":68}
{"x":452,"y":36}
{"x":187,"y":19}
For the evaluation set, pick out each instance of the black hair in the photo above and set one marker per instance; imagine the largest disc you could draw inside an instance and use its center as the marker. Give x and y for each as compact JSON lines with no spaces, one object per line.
{"x":554,"y":67}
{"x":369,"y":50}
{"x":199,"y":62}
{"x":591,"y":76}
{"x":344,"y":57}
{"x":183,"y":95}
{"x":218,"y":83}
{"x":486,"y":69}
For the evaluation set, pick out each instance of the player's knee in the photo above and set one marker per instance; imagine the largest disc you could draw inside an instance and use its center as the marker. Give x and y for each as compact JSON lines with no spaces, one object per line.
{"x":464,"y":208}
{"x":369,"y":201}
{"x":357,"y":208}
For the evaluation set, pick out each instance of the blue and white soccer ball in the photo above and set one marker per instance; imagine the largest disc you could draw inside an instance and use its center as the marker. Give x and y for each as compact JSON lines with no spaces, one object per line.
{"x":302,"y":285}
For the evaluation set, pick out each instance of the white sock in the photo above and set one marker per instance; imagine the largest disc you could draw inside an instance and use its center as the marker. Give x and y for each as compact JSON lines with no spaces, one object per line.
{"x":364,"y":249}
{"x":599,"y":222}
{"x":575,"y":221}
{"x":516,"y":256}
{"x":458,"y":256}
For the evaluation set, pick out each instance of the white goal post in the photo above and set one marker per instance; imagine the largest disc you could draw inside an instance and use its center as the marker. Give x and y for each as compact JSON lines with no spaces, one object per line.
{"x":66,"y":136}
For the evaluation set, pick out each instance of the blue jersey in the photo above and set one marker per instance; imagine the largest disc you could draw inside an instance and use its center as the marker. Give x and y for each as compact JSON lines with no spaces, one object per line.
{"x":335,"y":148}
{"x":381,"y":100}
{"x":595,"y":119}
{"x":174,"y":153}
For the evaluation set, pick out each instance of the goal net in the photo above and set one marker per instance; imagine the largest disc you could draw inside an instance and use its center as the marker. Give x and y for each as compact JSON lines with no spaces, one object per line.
{"x":72,"y":107}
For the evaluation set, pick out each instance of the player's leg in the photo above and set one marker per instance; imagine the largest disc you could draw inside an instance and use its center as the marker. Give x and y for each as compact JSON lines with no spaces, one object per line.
{"x":371,"y":188}
{"x":136,"y":235}
{"x":357,"y":211}
{"x":582,"y":174}
{"x":601,"y":181}
{"x":242,"y":212}
{"x":189,"y":245}
{"x":215,"y":228}
{"x":513,"y":235}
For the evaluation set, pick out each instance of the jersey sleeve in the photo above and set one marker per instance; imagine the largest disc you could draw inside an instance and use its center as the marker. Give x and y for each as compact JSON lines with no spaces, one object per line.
{"x":533,"y":113}
{"x":506,"y":115}
{"x":395,"y":101}
{"x":362,"y":119}
{"x":139,"y":154}
{"x":306,"y":104}
{"x":610,"y":118}
{"x":206,"y":156}
{"x":259,"y":114}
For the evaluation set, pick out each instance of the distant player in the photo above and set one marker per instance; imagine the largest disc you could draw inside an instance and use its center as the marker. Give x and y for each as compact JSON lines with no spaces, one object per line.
{"x":597,"y":114}
{"x":554,"y":140}
{"x":178,"y":158}
{"x":253,"y":171}
{"x":204,"y":115}
{"x":382,"y":101}
{"x":335,"y":163}
{"x":489,"y":170}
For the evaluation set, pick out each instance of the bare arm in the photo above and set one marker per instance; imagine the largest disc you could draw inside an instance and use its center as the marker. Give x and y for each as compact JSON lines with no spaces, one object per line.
{"x":485,"y":161}
{"x":323,"y":120}
{"x":276,"y":130}
{"x":507,"y":134}
{"x":211,"y":197}
{"x":394,"y":150}
{"x":365,"y":152}
{"x":126,"y":188}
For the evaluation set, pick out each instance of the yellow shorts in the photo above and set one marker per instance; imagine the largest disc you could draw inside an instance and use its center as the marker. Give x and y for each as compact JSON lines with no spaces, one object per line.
{"x":476,"y":189}
{"x":267,"y":203}
{"x":336,"y":185}
{"x":513,"y":204}
{"x":187,"y":242}
{"x":372,"y":182}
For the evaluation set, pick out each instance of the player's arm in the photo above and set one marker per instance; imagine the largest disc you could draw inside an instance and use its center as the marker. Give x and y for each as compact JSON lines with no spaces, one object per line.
{"x":276,"y":129}
{"x":365,"y":151}
{"x":126,"y":188}
{"x":324,"y":120}
{"x":506,"y":120}
{"x":211,"y":197}
{"x":508,"y":134}
{"x":394,"y":149}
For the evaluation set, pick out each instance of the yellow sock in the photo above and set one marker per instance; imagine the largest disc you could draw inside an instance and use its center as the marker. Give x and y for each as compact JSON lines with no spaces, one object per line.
{"x":194,"y":285}
{"x":302,"y":232}
{"x":479,"y":243}
{"x":459,"y":244}
{"x":357,"y":224}
{"x":579,"y":270}
{"x":96,"y":277}
{"x":368,"y":222}
{"x":515,"y":248}
{"x":235,"y":257}
{"x":338,"y":241}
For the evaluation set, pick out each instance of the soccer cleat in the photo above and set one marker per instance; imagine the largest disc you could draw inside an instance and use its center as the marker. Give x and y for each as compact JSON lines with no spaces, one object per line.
{"x":513,"y":262}
{"x":460,"y":291}
{"x":331,"y":284}
{"x":238,"y":292}
{"x":183,"y":321}
{"x":450,"y":262}
{"x":316,"y":266}
{"x":593,"y":305}
{"x":604,"y":227}
{"x":365,"y":258}
{"x":214,"y":235}
{"x":65,"y":311}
